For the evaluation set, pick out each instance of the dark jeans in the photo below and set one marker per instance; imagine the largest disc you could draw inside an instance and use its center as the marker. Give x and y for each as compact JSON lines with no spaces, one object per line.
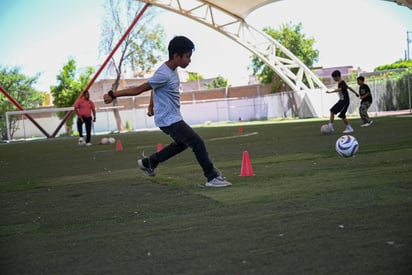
{"x":88,"y":123}
{"x":184,"y":136}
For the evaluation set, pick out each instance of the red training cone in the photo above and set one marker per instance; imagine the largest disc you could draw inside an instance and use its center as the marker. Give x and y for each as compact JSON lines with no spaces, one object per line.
{"x":240,"y":130}
{"x":119,"y":146}
{"x":246,"y":170}
{"x":159,"y":147}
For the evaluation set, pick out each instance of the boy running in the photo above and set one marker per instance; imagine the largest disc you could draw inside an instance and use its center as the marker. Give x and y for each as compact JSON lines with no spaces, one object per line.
{"x":366,"y":100}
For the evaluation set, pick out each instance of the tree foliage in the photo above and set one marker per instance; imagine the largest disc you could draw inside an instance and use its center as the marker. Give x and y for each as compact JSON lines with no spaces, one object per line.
{"x":69,"y":88}
{"x":292,"y":37}
{"x":20,"y":87}
{"x":218,"y":82}
{"x":142,"y":48}
{"x":194,"y":77}
{"x":144,"y":45}
{"x":401,"y":64}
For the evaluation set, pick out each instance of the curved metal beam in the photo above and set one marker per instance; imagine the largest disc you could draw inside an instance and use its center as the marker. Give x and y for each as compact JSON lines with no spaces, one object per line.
{"x":296,"y":74}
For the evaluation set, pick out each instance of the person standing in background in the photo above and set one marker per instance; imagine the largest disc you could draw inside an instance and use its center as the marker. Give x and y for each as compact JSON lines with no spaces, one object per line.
{"x":85,"y":109}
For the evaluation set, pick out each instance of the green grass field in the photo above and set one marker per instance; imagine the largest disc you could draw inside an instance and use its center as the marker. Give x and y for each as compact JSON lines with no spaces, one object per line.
{"x":88,"y":210}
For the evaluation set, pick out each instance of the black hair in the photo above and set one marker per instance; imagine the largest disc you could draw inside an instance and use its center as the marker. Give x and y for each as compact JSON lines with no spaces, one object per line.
{"x":361,"y":78}
{"x":180,"y":45}
{"x":336,"y":73}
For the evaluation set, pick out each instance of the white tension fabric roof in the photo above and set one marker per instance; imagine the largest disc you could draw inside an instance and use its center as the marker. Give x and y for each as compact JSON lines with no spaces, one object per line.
{"x":242,"y":8}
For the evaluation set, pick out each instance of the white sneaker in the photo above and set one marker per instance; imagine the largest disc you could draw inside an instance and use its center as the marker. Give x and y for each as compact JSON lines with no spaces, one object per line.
{"x":367,"y":124}
{"x":88,"y":144}
{"x":331,"y":128}
{"x":348,"y":130}
{"x":218,"y":182}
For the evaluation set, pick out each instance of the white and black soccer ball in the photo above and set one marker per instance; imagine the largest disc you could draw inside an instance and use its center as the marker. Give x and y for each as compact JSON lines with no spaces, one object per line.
{"x":112,"y":140}
{"x":81,"y":142}
{"x":325,"y":129}
{"x":347,"y":146}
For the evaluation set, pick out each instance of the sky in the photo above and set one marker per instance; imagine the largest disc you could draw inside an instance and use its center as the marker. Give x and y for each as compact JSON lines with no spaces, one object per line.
{"x":40,"y":36}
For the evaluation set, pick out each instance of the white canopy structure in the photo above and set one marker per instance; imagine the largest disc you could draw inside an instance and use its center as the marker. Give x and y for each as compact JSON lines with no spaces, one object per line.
{"x":229,"y":18}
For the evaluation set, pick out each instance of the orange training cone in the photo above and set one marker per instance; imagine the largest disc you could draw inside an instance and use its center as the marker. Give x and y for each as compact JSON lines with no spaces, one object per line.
{"x":246,"y":170}
{"x":159,"y":147}
{"x":240,"y":130}
{"x":119,"y":146}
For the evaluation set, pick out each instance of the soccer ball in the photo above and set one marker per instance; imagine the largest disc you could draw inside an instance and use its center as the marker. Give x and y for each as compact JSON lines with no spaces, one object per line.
{"x":104,"y":140}
{"x":112,"y":140}
{"x":347,"y":146}
{"x":325,"y":129}
{"x":81,"y":142}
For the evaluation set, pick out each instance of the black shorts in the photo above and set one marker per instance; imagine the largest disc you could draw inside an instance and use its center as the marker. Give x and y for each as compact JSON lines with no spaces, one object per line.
{"x":340,"y":107}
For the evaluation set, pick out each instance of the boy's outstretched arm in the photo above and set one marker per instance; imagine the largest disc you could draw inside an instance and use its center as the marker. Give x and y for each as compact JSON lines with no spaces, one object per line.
{"x":333,"y":91}
{"x":110,"y":96}
{"x":353,"y":91}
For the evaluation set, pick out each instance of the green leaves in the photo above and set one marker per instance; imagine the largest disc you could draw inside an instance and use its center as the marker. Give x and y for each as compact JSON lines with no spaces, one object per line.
{"x":294,"y":40}
{"x":69,"y":87}
{"x":20,"y":87}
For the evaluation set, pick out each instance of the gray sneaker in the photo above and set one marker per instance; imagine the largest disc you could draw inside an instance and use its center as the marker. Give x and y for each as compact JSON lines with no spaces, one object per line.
{"x":148,"y":171}
{"x":218,"y":182}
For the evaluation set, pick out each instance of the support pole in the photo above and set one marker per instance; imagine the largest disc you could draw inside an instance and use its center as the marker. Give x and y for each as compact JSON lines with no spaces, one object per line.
{"x":104,"y":64}
{"x":15,"y":103}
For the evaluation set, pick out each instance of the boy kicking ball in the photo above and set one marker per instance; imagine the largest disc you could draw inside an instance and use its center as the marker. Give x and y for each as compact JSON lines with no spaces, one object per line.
{"x":165,"y":106}
{"x":343,"y":103}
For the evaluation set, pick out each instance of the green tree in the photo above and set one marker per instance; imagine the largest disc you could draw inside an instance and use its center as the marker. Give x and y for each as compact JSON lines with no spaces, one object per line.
{"x":143,"y":47}
{"x":218,"y":82}
{"x":194,"y":77}
{"x":20,"y":87}
{"x":69,"y":89}
{"x":401,"y":64}
{"x":294,"y":40}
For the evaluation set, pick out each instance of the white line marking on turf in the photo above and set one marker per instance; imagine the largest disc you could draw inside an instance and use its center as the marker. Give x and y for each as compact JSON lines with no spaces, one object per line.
{"x":232,"y":137}
{"x":211,"y":139}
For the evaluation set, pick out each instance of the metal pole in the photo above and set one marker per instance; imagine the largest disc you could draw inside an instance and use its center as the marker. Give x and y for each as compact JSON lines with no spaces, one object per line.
{"x":409,"y":91}
{"x":408,"y":41}
{"x":15,"y":103}
{"x":104,"y":64}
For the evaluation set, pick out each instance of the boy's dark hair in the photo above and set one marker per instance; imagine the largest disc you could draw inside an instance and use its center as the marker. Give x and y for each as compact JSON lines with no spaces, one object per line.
{"x":180,"y":45}
{"x":361,"y":78}
{"x":336,"y":73}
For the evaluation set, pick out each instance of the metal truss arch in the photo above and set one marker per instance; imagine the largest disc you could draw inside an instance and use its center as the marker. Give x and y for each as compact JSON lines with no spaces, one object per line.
{"x":289,"y":68}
